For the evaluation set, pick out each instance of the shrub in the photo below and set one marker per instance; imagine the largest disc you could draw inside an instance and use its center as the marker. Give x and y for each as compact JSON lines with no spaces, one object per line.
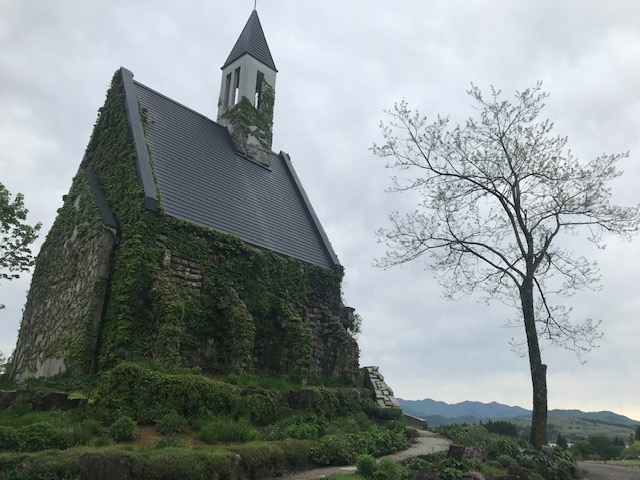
{"x":171,"y":423}
{"x":103,"y":442}
{"x":92,"y":425}
{"x":367,"y":466}
{"x":354,"y":423}
{"x":345,"y":449}
{"x":259,"y":407}
{"x":386,"y":469}
{"x":40,"y":436}
{"x":167,"y":443}
{"x":390,"y":470}
{"x":376,"y":412}
{"x":181,"y":463}
{"x":45,"y":465}
{"x":79,"y":435}
{"x":296,"y":452}
{"x":9,"y":439}
{"x":261,"y":459}
{"x":225,"y":429}
{"x":301,"y":426}
{"x":124,"y":429}
{"x":132,"y":390}
{"x":338,"y":449}
{"x":505,"y":460}
{"x":492,"y":468}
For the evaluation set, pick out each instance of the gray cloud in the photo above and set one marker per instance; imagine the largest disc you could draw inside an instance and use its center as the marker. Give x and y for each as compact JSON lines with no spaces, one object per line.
{"x":340,"y":65}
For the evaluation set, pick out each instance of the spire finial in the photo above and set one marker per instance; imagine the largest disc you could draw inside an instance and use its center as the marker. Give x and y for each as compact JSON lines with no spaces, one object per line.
{"x":255,"y":4}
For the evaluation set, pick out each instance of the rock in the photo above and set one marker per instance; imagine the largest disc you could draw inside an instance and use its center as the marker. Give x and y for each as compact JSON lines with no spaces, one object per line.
{"x":427,"y":474}
{"x":457,"y":451}
{"x":96,"y":467}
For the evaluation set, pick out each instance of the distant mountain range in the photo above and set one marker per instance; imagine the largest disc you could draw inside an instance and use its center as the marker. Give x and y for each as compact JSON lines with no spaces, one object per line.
{"x":440,"y":413}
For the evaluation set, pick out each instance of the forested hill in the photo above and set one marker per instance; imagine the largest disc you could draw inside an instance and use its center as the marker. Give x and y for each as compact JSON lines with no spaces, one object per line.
{"x":441,"y":413}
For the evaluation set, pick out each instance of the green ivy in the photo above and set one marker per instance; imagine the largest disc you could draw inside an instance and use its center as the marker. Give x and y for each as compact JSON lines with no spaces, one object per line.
{"x":248,"y":120}
{"x":250,"y":309}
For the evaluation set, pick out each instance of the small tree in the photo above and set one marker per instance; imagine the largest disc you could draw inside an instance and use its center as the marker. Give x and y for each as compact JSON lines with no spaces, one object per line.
{"x":562,"y":442}
{"x":16,"y":236}
{"x":637,"y":436}
{"x":496,"y":195}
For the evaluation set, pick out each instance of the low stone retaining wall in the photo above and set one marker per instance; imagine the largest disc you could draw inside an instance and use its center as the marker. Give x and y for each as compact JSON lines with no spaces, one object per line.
{"x":416,"y":422}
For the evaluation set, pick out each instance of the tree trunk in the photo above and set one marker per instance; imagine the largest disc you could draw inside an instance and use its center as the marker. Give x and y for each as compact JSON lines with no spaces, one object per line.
{"x":538,"y":369}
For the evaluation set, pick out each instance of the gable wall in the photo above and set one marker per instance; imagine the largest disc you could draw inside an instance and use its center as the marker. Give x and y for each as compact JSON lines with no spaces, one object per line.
{"x":61,"y":317}
{"x":180,"y":294}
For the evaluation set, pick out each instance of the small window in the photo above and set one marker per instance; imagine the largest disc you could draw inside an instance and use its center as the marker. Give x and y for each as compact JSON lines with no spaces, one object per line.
{"x":227,"y":91}
{"x":236,"y":86}
{"x":257,"y":99}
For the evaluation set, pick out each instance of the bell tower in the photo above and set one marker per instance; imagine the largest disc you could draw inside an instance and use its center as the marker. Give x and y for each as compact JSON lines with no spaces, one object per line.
{"x":247,"y":93}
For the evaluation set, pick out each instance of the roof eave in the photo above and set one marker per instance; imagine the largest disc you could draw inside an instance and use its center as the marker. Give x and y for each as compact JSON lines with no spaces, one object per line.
{"x":314,"y":218}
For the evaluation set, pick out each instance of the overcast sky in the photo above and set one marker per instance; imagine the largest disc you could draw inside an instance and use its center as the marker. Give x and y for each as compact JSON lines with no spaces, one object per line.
{"x":340,"y":65}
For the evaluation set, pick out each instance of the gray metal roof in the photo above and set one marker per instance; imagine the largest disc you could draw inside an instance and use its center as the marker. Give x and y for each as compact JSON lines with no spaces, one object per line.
{"x":253,"y":42}
{"x":201,"y":179}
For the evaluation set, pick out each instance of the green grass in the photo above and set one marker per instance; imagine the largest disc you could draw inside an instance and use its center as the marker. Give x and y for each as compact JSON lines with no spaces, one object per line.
{"x":278,"y":440}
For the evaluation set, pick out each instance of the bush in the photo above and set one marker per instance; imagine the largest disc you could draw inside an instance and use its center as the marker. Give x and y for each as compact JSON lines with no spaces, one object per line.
{"x":81,"y":433}
{"x":354,"y":423}
{"x":376,"y":412}
{"x":143,"y":394}
{"x":181,"y":463}
{"x":171,"y":423}
{"x":124,"y":429}
{"x":505,"y":460}
{"x":167,"y":443}
{"x":45,"y":465}
{"x":300,"y":426}
{"x":386,"y":469}
{"x":339,"y":449}
{"x":259,"y":407}
{"x":261,"y":459}
{"x":9,"y":439}
{"x":31,"y":438}
{"x":225,"y":429}
{"x":367,"y":466}
{"x":102,"y":442}
{"x":390,"y":470}
{"x":296,"y":452}
{"x":345,"y":449}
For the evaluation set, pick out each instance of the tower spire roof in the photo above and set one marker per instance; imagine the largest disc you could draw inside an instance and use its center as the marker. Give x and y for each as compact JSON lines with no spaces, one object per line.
{"x":253,"y":42}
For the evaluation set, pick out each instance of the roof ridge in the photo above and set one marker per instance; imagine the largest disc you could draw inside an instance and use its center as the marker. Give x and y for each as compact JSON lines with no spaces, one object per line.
{"x":252,"y":42}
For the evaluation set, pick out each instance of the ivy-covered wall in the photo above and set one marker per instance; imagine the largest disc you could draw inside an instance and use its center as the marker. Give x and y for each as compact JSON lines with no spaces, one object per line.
{"x":62,"y":315}
{"x":252,"y":128}
{"x":184,"y":295}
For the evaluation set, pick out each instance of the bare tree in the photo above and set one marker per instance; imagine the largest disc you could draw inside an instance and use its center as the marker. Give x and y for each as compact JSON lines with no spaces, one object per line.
{"x":497,"y":193}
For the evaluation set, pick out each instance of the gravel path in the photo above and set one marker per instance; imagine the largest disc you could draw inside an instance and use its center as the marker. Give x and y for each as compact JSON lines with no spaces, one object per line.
{"x":428,"y":442}
{"x":601,"y":471}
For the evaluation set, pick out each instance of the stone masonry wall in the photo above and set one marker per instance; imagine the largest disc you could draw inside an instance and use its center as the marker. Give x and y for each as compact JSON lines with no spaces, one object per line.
{"x":240,"y":338}
{"x":380,"y":391}
{"x":61,"y":318}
